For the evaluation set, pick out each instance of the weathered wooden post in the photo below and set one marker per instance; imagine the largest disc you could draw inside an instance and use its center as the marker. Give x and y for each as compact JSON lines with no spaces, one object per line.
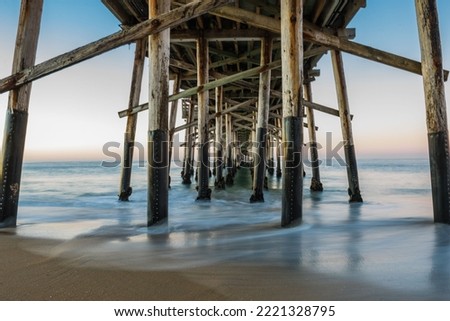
{"x":220,"y":180}
{"x":204,"y":192}
{"x":433,"y":82}
{"x":278,"y":151}
{"x":269,"y":149}
{"x":253,"y":149}
{"x":188,"y":150}
{"x":236,"y":152}
{"x":229,"y":159}
{"x":292,"y":72}
{"x":158,"y":138}
{"x":346,"y":125}
{"x":173,"y":116}
{"x":125,"y":189}
{"x":262,"y":123}
{"x":316,"y":184}
{"x":17,"y":112}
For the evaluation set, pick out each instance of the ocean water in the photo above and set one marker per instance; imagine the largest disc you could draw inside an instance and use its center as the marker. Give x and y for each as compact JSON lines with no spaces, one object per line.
{"x":390,"y":240}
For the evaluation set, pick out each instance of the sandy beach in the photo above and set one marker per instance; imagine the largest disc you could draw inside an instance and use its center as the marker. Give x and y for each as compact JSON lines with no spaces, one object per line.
{"x":27,"y":276}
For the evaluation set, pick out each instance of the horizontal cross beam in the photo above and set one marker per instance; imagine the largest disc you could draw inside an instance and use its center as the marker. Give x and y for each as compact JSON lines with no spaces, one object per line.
{"x":208,"y":86}
{"x":164,"y":21}
{"x":222,"y":35}
{"x":322,"y":108}
{"x":316,"y":35}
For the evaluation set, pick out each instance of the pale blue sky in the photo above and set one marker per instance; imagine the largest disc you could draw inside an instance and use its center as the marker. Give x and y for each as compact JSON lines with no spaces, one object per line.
{"x":74,"y":112}
{"x":388,"y":103}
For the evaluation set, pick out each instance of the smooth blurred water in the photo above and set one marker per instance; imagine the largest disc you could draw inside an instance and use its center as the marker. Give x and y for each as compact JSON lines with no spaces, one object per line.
{"x":389,"y":240}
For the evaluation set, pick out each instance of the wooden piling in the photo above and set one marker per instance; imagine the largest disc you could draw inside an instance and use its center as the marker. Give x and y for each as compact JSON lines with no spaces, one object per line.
{"x":436,"y":110}
{"x":158,"y":138}
{"x":346,"y":126}
{"x":278,"y":151}
{"x":17,"y":112}
{"x":262,"y":123}
{"x":316,"y":184}
{"x":253,"y":148}
{"x":204,"y":192}
{"x":220,"y":180}
{"x":188,"y":150}
{"x":236,"y":152}
{"x":270,"y":154}
{"x":292,"y":72}
{"x":229,"y":159}
{"x":173,"y":118}
{"x":125,"y":189}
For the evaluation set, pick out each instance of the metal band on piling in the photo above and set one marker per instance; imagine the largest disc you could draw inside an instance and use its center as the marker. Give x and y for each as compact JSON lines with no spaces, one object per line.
{"x":14,"y":142}
{"x":260,"y":166}
{"x":293,"y":171}
{"x":439,"y":167}
{"x":204,"y":192}
{"x":352,"y":173}
{"x":158,"y":147}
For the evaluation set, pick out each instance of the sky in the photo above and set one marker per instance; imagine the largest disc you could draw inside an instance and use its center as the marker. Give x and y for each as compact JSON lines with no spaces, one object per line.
{"x":73,"y":113}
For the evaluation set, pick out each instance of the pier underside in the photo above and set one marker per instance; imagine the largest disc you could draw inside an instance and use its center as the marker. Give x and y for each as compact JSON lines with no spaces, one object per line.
{"x":243,"y":77}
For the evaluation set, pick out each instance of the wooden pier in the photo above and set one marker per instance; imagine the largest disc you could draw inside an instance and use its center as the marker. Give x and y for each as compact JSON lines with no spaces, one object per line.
{"x":242,"y":74}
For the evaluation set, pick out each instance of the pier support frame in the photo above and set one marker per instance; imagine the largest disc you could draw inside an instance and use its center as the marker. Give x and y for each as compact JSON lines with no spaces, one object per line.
{"x":259,"y":168}
{"x":204,"y":192}
{"x":125,"y":189}
{"x":316,"y":184}
{"x":436,"y":110}
{"x":17,"y":112}
{"x":220,"y":180}
{"x":292,"y":73}
{"x":158,"y":138}
{"x":346,"y":126}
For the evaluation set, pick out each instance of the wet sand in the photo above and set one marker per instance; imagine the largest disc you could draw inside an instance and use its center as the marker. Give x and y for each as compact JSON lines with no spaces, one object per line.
{"x":71,"y":244}
{"x":25,"y":275}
